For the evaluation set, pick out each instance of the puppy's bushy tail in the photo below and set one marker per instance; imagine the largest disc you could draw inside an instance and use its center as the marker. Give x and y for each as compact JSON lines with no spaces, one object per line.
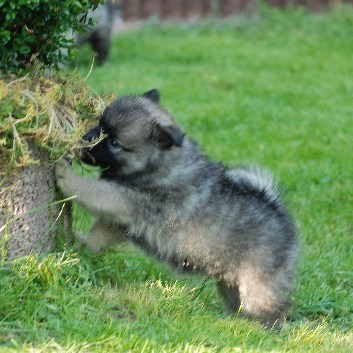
{"x":257,"y":180}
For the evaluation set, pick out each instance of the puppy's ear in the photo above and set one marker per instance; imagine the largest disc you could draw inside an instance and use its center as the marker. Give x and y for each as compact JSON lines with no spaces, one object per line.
{"x":166,"y":137}
{"x":153,"y":95}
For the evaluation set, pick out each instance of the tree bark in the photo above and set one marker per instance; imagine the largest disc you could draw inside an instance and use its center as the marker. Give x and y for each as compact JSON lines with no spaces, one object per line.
{"x":31,"y":219}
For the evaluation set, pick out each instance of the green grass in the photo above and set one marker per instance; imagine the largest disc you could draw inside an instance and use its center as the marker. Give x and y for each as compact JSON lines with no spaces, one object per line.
{"x":274,"y":89}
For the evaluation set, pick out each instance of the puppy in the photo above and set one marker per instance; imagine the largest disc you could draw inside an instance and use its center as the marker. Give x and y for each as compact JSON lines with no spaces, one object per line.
{"x":160,"y":191}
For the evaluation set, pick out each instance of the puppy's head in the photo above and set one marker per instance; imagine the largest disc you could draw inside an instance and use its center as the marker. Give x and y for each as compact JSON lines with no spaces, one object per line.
{"x":137,"y":132}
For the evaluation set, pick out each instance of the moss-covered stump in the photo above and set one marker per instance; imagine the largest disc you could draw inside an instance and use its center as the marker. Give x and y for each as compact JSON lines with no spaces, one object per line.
{"x":41,"y":120}
{"x":31,"y":219}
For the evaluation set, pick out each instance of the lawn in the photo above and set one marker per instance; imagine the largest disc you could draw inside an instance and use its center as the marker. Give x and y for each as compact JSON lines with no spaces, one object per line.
{"x":273,"y":89}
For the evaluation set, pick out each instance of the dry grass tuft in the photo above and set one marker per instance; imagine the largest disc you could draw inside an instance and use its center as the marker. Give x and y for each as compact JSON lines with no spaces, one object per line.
{"x":52,"y":112}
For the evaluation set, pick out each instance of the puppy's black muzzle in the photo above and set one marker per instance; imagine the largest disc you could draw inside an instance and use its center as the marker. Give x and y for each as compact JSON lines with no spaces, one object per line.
{"x":88,"y":153}
{"x":92,"y":134}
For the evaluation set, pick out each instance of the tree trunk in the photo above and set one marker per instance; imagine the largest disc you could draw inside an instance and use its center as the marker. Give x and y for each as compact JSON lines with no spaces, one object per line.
{"x":30,"y":220}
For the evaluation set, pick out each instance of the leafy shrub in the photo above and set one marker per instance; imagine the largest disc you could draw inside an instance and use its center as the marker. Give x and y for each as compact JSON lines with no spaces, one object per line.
{"x":33,"y":31}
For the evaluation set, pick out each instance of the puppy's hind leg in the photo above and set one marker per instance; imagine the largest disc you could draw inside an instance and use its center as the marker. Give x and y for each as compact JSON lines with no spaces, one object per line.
{"x":102,"y":235}
{"x":263,"y":297}
{"x":230,"y":295}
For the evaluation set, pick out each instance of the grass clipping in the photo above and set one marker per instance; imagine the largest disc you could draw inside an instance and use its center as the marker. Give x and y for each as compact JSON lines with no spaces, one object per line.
{"x":51,"y":112}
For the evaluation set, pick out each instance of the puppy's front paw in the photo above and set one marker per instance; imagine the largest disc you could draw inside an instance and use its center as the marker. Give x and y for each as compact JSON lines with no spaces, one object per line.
{"x":62,"y":166}
{"x":65,"y":178}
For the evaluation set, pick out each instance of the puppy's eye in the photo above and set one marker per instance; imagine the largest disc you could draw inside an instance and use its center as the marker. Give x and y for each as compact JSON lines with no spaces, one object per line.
{"x":114,"y":143}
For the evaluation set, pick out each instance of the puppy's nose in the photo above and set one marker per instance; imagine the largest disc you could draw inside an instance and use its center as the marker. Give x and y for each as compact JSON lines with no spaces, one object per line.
{"x":92,"y":134}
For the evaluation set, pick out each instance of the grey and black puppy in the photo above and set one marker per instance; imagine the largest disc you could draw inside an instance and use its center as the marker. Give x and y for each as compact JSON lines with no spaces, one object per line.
{"x":159,"y":190}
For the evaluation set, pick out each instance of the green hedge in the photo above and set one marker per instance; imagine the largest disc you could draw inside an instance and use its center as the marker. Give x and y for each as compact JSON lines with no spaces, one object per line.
{"x":33,"y":31}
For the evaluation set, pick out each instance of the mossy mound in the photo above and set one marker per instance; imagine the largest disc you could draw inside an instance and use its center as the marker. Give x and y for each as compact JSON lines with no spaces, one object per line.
{"x":50,"y":112}
{"x":41,"y":119}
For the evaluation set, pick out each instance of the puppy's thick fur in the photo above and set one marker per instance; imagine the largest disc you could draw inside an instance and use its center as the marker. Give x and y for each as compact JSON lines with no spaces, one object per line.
{"x":158,"y":189}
